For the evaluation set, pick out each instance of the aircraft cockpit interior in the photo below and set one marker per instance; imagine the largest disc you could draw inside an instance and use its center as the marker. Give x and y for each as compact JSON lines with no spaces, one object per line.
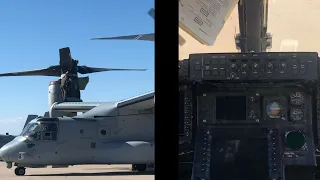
{"x":252,"y":55}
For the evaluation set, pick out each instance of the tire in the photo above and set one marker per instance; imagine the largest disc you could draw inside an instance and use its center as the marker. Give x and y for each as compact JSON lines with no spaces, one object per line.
{"x":20,"y":171}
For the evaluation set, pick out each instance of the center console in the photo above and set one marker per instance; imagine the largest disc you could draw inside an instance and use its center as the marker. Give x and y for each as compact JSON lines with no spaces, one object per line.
{"x":254,"y":115}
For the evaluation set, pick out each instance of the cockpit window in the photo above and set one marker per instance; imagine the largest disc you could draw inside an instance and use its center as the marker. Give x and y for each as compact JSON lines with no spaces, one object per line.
{"x":45,"y":131}
{"x":32,"y":131}
{"x":49,"y":131}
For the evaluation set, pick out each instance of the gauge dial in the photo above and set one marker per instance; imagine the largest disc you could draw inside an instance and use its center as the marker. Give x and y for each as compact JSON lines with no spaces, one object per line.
{"x":296,"y":114}
{"x":274,"y":110}
{"x":297,"y":98}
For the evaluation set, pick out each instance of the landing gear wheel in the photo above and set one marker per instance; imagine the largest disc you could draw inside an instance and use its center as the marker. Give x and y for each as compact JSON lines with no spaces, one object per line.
{"x":20,"y":171}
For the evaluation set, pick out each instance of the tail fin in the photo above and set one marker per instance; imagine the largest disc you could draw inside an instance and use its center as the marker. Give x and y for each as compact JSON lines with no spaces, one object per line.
{"x":30,"y":117}
{"x":46,"y":114}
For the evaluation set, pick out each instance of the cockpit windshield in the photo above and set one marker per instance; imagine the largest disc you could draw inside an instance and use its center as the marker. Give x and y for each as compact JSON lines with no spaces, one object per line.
{"x":293,"y":24}
{"x":46,"y":131}
{"x":31,"y":130}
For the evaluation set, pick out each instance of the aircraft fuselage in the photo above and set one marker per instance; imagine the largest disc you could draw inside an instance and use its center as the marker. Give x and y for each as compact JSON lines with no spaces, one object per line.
{"x":70,"y":141}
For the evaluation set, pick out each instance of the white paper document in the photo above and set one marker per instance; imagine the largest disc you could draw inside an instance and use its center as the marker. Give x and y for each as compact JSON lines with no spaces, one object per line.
{"x":204,"y":19}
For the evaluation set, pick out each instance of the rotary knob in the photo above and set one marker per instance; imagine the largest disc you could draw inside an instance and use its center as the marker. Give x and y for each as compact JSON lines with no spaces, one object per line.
{"x":283,"y":65}
{"x":255,"y":66}
{"x":270,"y":65}
{"x":233,"y":75}
{"x":233,"y":66}
{"x":252,"y":115}
{"x":244,"y":67}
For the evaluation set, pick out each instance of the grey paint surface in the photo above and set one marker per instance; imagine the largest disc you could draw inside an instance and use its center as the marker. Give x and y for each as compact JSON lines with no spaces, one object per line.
{"x":128,"y":137}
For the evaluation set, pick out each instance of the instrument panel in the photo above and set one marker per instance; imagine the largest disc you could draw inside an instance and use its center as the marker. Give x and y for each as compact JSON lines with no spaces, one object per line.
{"x":253,"y":108}
{"x":276,"y":122}
{"x":251,"y":66}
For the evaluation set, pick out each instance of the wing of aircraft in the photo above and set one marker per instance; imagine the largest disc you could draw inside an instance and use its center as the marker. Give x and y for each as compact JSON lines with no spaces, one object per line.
{"x":142,"y":104}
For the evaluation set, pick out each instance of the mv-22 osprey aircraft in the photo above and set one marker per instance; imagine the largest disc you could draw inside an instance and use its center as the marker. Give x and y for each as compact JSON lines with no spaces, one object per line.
{"x":106,"y":133}
{"x":66,"y":64}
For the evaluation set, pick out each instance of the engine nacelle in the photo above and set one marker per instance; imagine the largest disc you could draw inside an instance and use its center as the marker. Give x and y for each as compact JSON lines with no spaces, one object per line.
{"x":54,"y":93}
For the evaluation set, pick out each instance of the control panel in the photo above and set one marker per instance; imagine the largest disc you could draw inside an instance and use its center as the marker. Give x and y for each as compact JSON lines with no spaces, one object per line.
{"x":272,"y":148}
{"x":262,"y":129}
{"x":263,"y":105}
{"x":251,"y":66}
{"x":185,"y":113}
{"x":183,"y":70}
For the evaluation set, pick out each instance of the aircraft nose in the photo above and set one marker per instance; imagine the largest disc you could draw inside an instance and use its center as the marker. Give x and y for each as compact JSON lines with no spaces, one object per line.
{"x":5,"y":153}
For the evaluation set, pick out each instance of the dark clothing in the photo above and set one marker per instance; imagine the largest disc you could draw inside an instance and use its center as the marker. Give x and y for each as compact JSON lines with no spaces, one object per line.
{"x":69,"y":84}
{"x":64,"y":87}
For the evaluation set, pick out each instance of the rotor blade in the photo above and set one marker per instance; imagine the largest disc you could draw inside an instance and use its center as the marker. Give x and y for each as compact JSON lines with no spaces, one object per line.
{"x":65,"y":58}
{"x":50,"y":71}
{"x":144,"y":37}
{"x":151,"y":12}
{"x":87,"y":70}
{"x":83,"y":81}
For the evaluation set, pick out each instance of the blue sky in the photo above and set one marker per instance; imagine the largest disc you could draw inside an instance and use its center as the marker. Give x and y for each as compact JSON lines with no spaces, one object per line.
{"x":32,"y":32}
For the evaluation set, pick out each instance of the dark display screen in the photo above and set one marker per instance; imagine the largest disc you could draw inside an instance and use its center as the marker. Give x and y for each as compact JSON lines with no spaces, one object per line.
{"x":239,"y":159}
{"x":231,"y":108}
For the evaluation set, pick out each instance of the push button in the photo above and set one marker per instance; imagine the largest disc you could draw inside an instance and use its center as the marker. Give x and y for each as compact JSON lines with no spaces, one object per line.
{"x":295,"y":72}
{"x":214,"y":61}
{"x":197,"y":67}
{"x":222,"y":61}
{"x":294,"y":61}
{"x":207,"y":61}
{"x":302,"y":61}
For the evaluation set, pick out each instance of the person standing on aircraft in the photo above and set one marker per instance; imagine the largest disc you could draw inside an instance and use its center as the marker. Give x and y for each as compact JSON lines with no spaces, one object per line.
{"x":64,"y":86}
{"x":69,"y":84}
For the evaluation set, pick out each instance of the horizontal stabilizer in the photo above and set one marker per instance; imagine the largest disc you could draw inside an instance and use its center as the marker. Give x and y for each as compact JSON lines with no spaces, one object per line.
{"x":76,"y":106}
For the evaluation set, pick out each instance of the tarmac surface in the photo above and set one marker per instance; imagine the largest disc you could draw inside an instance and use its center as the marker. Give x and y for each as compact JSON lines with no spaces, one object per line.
{"x":96,"y":172}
